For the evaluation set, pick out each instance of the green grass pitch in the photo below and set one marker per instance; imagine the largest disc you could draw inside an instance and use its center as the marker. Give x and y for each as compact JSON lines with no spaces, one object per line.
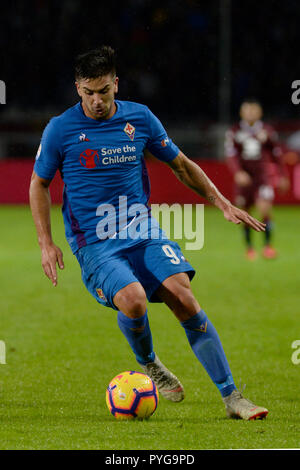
{"x":62,"y":348}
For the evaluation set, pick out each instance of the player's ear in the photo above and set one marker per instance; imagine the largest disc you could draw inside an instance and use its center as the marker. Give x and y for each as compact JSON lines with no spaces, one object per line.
{"x":77,"y":84}
{"x":116,"y":85}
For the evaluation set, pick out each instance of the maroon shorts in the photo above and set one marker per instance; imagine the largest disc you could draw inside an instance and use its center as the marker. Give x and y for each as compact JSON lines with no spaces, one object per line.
{"x":246,"y":197}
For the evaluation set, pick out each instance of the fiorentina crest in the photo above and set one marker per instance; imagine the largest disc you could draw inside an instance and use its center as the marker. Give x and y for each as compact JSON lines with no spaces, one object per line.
{"x":129,"y":130}
{"x":100,"y":293}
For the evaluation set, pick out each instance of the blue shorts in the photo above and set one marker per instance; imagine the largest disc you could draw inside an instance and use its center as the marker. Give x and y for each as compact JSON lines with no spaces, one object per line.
{"x":107,"y":267}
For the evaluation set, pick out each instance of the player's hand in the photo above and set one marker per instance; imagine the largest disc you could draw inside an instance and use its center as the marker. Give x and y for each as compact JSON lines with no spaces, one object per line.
{"x":237,"y":216}
{"x":51,"y":255}
{"x":242,"y":178}
{"x":283,"y":184}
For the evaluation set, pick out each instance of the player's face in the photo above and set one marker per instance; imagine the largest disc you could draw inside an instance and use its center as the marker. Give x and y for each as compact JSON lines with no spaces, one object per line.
{"x":98,"y":96}
{"x":251,"y":112}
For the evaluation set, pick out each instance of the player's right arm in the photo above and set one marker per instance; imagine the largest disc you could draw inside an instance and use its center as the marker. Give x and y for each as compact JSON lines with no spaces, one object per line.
{"x":40,"y":204}
{"x":276,"y":155}
{"x":48,"y":160}
{"x":190,"y":174}
{"x":232,"y":154}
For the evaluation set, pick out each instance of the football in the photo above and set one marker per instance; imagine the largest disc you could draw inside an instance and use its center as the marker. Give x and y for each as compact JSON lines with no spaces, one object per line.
{"x":131,"y":395}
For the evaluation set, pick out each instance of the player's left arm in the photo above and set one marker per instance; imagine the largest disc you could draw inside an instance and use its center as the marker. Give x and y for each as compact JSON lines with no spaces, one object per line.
{"x":277,"y":157}
{"x":190,"y":174}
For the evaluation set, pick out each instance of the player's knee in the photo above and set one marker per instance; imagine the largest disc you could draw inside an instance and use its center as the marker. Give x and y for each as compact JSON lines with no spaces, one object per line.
{"x":131,"y":300}
{"x":185,"y":301}
{"x":184,"y":304}
{"x":264,"y":207}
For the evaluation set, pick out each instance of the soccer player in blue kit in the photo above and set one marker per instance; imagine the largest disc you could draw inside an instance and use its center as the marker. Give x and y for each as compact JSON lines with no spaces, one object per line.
{"x":98,"y":146}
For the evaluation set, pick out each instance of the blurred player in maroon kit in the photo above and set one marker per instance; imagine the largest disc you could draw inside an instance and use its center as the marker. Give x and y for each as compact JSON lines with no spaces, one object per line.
{"x":250,"y":146}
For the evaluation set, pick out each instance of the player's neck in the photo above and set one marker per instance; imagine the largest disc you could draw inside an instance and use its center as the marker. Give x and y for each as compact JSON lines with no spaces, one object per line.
{"x":251,"y":123}
{"x":110,"y":114}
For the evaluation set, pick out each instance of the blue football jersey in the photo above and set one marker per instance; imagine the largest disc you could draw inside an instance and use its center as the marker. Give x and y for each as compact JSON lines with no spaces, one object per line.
{"x":102,"y":164}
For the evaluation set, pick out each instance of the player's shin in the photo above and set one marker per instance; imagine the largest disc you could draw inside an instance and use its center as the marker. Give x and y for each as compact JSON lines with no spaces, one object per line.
{"x":247,"y":235}
{"x":138,"y":334}
{"x":268,"y":231}
{"x":207,"y":347}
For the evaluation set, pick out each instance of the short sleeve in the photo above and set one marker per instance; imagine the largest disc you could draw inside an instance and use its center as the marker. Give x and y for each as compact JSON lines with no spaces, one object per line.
{"x":49,"y":154}
{"x":229,"y":145}
{"x":159,"y":144}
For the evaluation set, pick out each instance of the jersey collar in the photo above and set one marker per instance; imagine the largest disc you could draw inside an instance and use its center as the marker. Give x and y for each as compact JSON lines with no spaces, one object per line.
{"x":80,"y":109}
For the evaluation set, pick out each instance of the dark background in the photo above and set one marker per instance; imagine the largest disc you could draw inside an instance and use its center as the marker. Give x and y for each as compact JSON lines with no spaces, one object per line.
{"x":170,"y":56}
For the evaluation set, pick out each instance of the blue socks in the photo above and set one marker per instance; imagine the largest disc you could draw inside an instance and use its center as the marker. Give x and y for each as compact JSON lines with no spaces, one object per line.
{"x":138,"y":334}
{"x":202,"y":337}
{"x":207,"y":347}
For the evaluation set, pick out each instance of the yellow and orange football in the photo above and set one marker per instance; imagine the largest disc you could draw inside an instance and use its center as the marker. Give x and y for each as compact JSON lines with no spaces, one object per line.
{"x":131,"y":395}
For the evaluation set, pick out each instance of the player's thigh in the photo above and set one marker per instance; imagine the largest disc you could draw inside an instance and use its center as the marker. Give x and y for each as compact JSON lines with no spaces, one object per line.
{"x":156,"y":261}
{"x":264,"y":207}
{"x":245,"y":197}
{"x":175,"y":291}
{"x":264,"y":200}
{"x":105,"y":277}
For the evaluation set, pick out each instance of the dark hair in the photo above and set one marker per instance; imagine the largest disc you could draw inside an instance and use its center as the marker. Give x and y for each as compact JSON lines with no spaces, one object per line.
{"x":95,"y":63}
{"x":251,"y":100}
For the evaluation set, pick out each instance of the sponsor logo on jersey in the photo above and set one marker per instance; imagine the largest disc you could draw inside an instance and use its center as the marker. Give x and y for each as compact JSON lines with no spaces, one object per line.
{"x":129,"y":130}
{"x":164,"y":142}
{"x":89,"y":158}
{"x":83,"y":138}
{"x":101,"y":295}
